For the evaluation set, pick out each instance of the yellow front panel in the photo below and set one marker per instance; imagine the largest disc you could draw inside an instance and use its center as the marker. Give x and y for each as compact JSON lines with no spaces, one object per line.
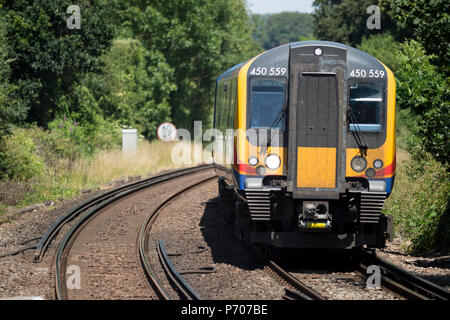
{"x":244,"y":149}
{"x":316,"y":168}
{"x":387,"y":151}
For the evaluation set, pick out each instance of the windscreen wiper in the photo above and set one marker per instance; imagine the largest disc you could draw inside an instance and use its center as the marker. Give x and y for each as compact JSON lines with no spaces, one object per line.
{"x":274,"y":124}
{"x":357,"y":134}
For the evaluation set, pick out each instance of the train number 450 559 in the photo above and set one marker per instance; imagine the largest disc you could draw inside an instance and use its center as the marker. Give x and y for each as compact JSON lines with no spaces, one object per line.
{"x":362,"y":73}
{"x":263,"y":71}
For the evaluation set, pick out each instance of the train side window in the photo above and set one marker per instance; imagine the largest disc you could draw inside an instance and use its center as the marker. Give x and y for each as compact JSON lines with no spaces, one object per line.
{"x":267,"y":100}
{"x":219,"y":106}
{"x":232,"y":104}
{"x":366,"y":99}
{"x":226,"y":106}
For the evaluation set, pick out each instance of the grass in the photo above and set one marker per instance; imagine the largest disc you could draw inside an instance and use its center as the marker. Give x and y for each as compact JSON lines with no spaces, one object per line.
{"x":107,"y":166}
{"x":419,"y":204}
{"x":88,"y":173}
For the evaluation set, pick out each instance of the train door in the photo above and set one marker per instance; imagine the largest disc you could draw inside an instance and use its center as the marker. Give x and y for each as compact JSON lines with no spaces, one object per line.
{"x":314,"y":162}
{"x":317,"y":132}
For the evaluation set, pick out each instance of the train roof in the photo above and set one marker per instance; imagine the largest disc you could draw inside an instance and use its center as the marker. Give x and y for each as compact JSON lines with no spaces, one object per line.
{"x":280,"y":56}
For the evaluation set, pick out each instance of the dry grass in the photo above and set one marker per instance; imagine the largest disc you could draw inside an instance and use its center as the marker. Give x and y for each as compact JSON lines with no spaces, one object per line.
{"x":13,"y":192}
{"x":66,"y":180}
{"x":107,"y":166}
{"x":402,"y":155}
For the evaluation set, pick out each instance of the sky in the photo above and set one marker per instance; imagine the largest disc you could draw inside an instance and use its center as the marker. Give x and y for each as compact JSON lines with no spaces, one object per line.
{"x":275,"y":6}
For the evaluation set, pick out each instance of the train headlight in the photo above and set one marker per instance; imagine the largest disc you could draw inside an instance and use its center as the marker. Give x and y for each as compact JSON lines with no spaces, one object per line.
{"x":253,"y":161}
{"x":273,"y":162}
{"x":260,"y":170}
{"x":378,"y":164}
{"x":370,"y":173}
{"x":359,"y":164}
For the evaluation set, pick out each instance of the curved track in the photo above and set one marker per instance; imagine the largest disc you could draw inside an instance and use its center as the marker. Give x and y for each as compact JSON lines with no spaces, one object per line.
{"x":107,"y":243}
{"x":112,"y":194}
{"x":96,"y":244}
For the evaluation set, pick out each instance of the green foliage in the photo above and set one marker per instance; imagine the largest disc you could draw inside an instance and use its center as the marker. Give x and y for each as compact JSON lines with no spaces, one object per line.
{"x":29,"y":151}
{"x":70,"y":138}
{"x":425,"y":92}
{"x":18,"y":157}
{"x":420,"y":204}
{"x":166,"y":72}
{"x":47,"y":57}
{"x":4,"y":76}
{"x":199,"y":39}
{"x":383,"y":47}
{"x":403,"y":122}
{"x":426,"y":21}
{"x":10,"y":110}
{"x":282,"y":28}
{"x":57,"y":149}
{"x":134,"y":87}
{"x":345,"y":21}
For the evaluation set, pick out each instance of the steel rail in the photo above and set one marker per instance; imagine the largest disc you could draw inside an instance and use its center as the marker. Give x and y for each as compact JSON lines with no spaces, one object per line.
{"x":60,"y":289}
{"x":290,"y":294}
{"x":74,"y":212}
{"x":303,"y":292}
{"x":408,"y":284}
{"x":143,"y":236}
{"x":179,"y":281}
{"x":296,"y":283}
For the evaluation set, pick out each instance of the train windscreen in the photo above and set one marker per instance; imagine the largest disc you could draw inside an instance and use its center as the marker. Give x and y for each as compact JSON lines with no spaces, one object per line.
{"x":365,"y":102}
{"x":266,"y":103}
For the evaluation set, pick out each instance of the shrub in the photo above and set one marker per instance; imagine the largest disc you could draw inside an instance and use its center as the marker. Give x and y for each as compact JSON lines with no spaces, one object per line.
{"x":56,"y":147}
{"x":12,"y":193}
{"x":419,"y":203}
{"x":425,"y":92}
{"x":84,"y":125}
{"x":134,"y":87}
{"x":18,"y":158}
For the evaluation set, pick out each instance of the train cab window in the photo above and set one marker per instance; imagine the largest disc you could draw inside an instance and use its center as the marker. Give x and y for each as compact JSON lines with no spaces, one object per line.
{"x":366,"y":99}
{"x":266,"y":103}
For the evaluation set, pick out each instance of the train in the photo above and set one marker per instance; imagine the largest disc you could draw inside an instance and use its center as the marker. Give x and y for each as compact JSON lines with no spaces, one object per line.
{"x":307,"y":156}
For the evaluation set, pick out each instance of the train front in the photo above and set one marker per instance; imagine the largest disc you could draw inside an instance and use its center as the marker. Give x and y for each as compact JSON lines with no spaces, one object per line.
{"x":318,"y":159}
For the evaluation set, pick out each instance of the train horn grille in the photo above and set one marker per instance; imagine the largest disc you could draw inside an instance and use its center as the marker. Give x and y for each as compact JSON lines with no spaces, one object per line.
{"x":259,"y":204}
{"x":371,"y":206}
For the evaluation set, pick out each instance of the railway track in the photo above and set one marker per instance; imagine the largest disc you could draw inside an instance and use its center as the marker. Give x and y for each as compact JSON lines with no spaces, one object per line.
{"x":295,"y":289}
{"x":393,"y":278}
{"x":112,"y":195}
{"x":403,"y":282}
{"x":103,"y":211}
{"x":182,"y":286}
{"x":188,"y":292}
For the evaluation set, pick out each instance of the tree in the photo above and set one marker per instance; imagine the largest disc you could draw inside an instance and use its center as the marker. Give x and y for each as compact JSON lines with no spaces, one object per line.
{"x":282,"y":28}
{"x":383,"y":47}
{"x":199,"y":39}
{"x":47,"y":57}
{"x":134,"y":87}
{"x":424,"y":91}
{"x":345,"y":21}
{"x":5,"y":73}
{"x":10,"y":111}
{"x":426,"y":21}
